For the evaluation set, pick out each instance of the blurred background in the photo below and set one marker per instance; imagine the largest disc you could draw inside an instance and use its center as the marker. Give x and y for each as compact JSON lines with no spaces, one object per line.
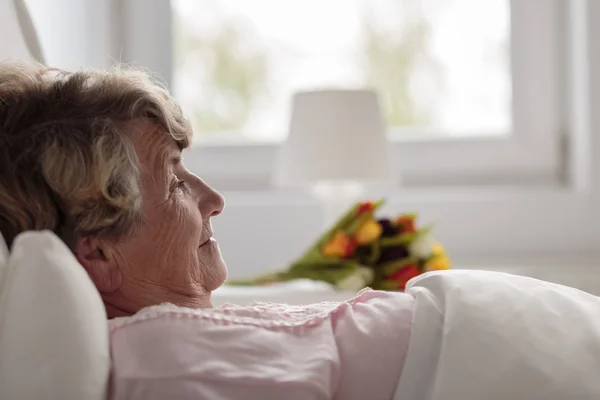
{"x":431,"y":71}
{"x":488,"y":110}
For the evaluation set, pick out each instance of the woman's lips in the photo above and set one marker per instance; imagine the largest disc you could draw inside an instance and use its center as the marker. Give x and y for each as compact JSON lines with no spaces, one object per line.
{"x":208,"y":241}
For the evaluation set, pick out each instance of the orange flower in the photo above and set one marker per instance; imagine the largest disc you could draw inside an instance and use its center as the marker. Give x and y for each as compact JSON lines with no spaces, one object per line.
{"x":404,"y":274}
{"x":368,"y":232}
{"x":340,"y":246}
{"x":406,"y":223}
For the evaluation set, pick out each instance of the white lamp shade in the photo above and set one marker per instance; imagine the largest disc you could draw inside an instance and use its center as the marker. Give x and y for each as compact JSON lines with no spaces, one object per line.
{"x":335,"y":135}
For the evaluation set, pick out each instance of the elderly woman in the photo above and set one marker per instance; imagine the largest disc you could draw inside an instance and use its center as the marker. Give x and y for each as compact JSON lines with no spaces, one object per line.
{"x":96,"y":157}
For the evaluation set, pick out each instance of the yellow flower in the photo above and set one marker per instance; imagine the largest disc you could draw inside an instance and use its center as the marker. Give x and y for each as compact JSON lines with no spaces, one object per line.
{"x":439,"y":261}
{"x":437,"y":264}
{"x":369,"y":231}
{"x":438,"y":249}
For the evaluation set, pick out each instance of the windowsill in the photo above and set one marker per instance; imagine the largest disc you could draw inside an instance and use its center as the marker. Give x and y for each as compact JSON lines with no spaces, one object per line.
{"x":452,"y":194}
{"x":562,"y":266}
{"x":502,"y":160}
{"x":403,"y":136}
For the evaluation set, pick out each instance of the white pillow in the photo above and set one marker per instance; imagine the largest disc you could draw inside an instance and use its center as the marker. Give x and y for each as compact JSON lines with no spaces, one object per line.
{"x":54,"y":335}
{"x":3,"y":254}
{"x":3,"y":259}
{"x":490,"y":335}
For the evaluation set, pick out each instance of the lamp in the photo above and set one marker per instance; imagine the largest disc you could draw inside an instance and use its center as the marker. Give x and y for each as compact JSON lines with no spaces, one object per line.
{"x":336,"y":144}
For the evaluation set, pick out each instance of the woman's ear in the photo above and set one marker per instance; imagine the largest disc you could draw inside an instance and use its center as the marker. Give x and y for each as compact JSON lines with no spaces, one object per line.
{"x":100,"y":266}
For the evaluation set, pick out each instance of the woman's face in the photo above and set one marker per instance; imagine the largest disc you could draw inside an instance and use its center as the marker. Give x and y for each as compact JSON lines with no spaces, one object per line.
{"x":173,"y":256}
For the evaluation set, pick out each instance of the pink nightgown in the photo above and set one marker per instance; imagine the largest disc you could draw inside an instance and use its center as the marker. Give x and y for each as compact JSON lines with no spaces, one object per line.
{"x":349,"y":350}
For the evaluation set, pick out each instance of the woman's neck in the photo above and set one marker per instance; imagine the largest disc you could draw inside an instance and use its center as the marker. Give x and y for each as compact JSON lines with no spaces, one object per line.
{"x":120,"y":306}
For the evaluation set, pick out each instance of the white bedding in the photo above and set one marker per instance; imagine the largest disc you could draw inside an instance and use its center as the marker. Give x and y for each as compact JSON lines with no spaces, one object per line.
{"x":485,"y":335}
{"x":296,"y":292}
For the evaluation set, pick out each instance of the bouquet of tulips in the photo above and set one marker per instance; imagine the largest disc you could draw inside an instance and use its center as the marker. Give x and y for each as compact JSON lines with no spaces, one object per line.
{"x":361,"y":250}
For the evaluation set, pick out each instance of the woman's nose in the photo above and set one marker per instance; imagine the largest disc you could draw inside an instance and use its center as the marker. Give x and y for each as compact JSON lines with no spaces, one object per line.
{"x":217,"y":202}
{"x":210,"y":202}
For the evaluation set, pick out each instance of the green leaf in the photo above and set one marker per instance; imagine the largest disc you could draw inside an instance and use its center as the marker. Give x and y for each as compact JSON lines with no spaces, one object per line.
{"x":317,"y":264}
{"x":259,"y":280}
{"x":425,"y":230}
{"x":330,"y":275}
{"x":387,"y":285}
{"x":391,"y":267}
{"x":375,"y":253}
{"x":316,"y":258}
{"x":405,"y":238}
{"x":399,"y":240}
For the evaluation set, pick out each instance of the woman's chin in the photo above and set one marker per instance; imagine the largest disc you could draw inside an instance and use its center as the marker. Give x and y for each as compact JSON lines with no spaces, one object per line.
{"x":220,"y":276}
{"x":210,"y":258}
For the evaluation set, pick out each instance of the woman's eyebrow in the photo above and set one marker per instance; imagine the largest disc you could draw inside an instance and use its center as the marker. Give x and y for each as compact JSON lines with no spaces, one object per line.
{"x":171,"y":158}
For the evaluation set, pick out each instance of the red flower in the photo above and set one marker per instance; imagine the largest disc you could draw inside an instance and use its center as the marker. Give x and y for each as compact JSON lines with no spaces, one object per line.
{"x":350,"y":248}
{"x":364,"y":207}
{"x":404,"y":274}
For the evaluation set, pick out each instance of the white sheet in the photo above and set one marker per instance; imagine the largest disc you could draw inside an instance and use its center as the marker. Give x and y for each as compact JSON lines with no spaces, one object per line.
{"x":297,"y":292}
{"x":488,"y":335}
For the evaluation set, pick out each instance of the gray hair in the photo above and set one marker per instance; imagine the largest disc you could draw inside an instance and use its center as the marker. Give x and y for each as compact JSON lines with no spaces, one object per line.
{"x":67,"y":161}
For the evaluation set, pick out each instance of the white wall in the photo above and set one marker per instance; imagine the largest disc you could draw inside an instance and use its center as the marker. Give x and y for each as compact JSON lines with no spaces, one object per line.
{"x":259,"y":235}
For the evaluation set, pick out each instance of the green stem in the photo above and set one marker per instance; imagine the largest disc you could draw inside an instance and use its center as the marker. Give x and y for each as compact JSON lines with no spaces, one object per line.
{"x":377,"y":278}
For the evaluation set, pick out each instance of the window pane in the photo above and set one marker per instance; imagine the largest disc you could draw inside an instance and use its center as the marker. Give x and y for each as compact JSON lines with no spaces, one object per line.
{"x":439,"y":66}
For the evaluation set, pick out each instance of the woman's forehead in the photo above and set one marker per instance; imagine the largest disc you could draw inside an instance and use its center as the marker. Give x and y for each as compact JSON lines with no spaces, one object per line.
{"x":156,"y":150}
{"x":151,"y":141}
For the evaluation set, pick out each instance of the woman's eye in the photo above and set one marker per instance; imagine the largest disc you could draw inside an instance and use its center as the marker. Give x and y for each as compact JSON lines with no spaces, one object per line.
{"x":178,"y":185}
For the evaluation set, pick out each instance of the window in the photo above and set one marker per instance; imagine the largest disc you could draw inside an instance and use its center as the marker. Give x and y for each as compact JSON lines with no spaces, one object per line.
{"x":470,"y":89}
{"x":439,"y":66}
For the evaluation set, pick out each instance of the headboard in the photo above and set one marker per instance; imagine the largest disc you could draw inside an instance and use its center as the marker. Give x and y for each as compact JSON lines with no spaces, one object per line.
{"x":19,"y":36}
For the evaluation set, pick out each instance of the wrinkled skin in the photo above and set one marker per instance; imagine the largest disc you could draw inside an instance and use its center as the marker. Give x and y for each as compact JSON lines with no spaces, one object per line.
{"x":172,"y":256}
